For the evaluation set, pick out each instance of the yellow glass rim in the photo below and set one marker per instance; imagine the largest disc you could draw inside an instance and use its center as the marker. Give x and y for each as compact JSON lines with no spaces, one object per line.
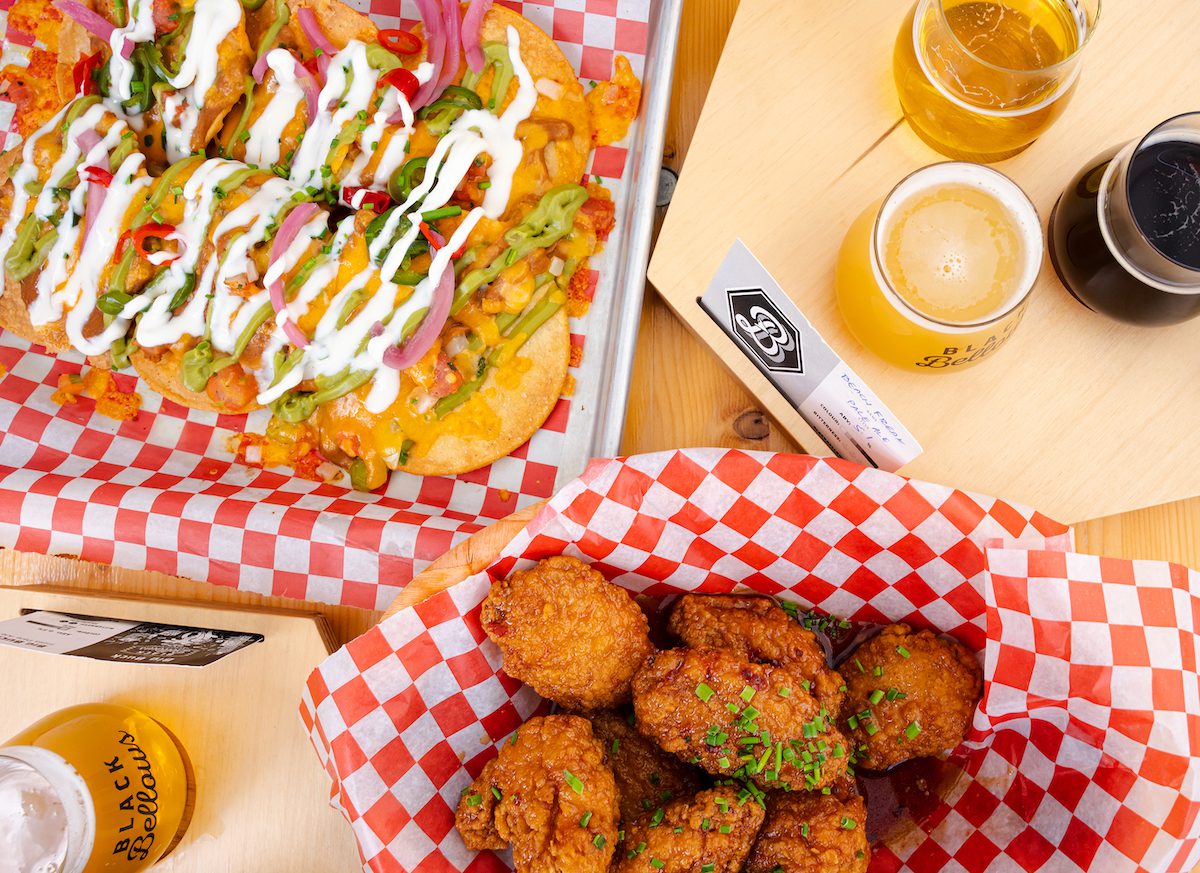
{"x":1069,"y":59}
{"x":877,"y":260}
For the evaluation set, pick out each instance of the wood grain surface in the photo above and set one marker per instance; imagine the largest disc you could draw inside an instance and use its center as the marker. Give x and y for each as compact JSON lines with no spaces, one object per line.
{"x":682,"y":396}
{"x":262,"y":799}
{"x":1078,"y":415}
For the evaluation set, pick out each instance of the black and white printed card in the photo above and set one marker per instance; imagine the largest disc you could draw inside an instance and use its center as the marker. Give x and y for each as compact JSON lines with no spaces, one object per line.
{"x":752,"y":308}
{"x":130,"y":642}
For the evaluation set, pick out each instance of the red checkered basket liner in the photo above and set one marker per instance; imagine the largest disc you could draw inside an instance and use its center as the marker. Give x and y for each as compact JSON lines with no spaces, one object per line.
{"x":163,"y":493}
{"x":1083,"y":753}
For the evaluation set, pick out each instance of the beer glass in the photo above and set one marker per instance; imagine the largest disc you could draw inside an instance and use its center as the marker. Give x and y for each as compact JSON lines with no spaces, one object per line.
{"x":1125,"y":234}
{"x":935,"y":277}
{"x":92,"y":788}
{"x":980,"y":80}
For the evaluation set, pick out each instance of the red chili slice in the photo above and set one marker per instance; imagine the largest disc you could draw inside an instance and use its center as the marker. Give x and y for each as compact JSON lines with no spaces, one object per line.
{"x":99,"y":175}
{"x":400,"y":41}
{"x":435,"y":241}
{"x":376,"y":200}
{"x":153,"y":230}
{"x":403,"y":81}
{"x":81,"y":74}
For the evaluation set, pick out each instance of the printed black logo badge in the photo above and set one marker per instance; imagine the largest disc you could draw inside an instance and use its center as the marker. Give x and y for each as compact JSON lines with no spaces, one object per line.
{"x":765,"y":330}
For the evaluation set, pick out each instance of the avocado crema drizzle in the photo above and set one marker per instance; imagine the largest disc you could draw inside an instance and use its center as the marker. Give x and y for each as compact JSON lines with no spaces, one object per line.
{"x":153,"y":65}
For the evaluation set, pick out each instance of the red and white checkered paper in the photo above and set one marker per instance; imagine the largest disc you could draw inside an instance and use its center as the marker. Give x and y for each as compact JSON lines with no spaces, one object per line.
{"x":163,"y":493}
{"x":1085,"y":751}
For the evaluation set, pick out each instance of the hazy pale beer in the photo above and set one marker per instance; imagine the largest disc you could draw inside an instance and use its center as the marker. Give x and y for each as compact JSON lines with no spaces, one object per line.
{"x":980,"y":80}
{"x":92,"y":788}
{"x":936,"y":276}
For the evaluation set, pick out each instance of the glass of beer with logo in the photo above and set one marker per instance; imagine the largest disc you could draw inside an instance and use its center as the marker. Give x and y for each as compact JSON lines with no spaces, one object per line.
{"x":92,"y":788}
{"x":980,"y":80}
{"x":1125,"y":234}
{"x":936,"y":276}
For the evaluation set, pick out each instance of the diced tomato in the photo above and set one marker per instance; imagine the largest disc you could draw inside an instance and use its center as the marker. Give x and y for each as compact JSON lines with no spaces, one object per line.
{"x":400,"y":42}
{"x":376,"y":200}
{"x":601,"y":214}
{"x":232,"y":388}
{"x":166,"y":15}
{"x":446,"y":379}
{"x":403,"y":81}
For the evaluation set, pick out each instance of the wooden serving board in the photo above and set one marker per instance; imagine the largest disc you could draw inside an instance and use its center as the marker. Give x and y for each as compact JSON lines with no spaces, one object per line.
{"x":1078,"y":416}
{"x":262,"y":799}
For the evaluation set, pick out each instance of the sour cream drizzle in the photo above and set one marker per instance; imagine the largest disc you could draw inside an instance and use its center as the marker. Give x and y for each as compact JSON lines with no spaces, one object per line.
{"x":213,"y":21}
{"x":335,"y":349}
{"x":212,"y":309}
{"x":262,"y":148}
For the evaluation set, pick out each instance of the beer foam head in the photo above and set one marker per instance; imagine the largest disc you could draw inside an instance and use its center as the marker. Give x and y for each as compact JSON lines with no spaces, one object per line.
{"x":47,"y":820}
{"x":33,"y":823}
{"x":1008,"y":197}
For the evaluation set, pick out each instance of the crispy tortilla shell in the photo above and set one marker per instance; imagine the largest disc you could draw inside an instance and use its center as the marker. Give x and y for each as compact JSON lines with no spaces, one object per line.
{"x":160,"y":368}
{"x":522,"y":409}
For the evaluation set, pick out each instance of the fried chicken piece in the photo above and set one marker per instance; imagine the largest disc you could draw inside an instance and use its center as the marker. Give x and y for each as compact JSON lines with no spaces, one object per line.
{"x":711,"y":831}
{"x":701,"y":704}
{"x":757,"y":629}
{"x":920,"y":690}
{"x":647,"y":777}
{"x":475,"y":817}
{"x":557,"y":801}
{"x":568,"y":633}
{"x":811,"y":832}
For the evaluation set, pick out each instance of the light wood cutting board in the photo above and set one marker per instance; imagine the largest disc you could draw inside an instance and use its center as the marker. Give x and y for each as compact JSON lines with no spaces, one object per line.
{"x":262,"y":799}
{"x":1078,"y":416}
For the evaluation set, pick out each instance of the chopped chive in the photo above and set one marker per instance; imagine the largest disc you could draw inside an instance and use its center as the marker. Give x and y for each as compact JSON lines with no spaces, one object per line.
{"x":912,"y":730}
{"x":903,"y":652}
{"x":598,"y":842}
{"x":875,"y":696}
{"x":703,"y":691}
{"x":747,"y":693}
{"x":474,"y":800}
{"x":878,"y":671}
{"x":804,"y":830}
{"x":587,"y":817}
{"x":484,"y":185}
{"x":858,"y":664}
{"x":785,"y":692}
{"x":574,"y":781}
{"x":496,"y":793}
{"x":656,"y":819}
{"x":616,"y":745}
{"x":444,"y":212}
{"x":656,"y":864}
{"x":872,"y":729}
{"x":849,"y":823}
{"x":725,"y":829}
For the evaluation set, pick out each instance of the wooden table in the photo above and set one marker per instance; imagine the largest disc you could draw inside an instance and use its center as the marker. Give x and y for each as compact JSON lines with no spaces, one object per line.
{"x":682,"y":396}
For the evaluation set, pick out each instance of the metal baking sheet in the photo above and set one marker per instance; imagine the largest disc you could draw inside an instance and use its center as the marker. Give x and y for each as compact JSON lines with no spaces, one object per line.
{"x":603,"y":379}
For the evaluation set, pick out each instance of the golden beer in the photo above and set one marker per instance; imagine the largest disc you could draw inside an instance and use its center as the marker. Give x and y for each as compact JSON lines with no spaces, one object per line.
{"x":980,"y":80}
{"x":936,"y":276}
{"x":105,"y":788}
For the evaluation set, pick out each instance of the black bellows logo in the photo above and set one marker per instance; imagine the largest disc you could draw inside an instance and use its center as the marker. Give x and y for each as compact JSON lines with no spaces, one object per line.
{"x":765,"y":331}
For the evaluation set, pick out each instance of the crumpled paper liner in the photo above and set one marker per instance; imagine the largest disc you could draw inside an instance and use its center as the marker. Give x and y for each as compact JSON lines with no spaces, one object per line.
{"x":1083,"y":753}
